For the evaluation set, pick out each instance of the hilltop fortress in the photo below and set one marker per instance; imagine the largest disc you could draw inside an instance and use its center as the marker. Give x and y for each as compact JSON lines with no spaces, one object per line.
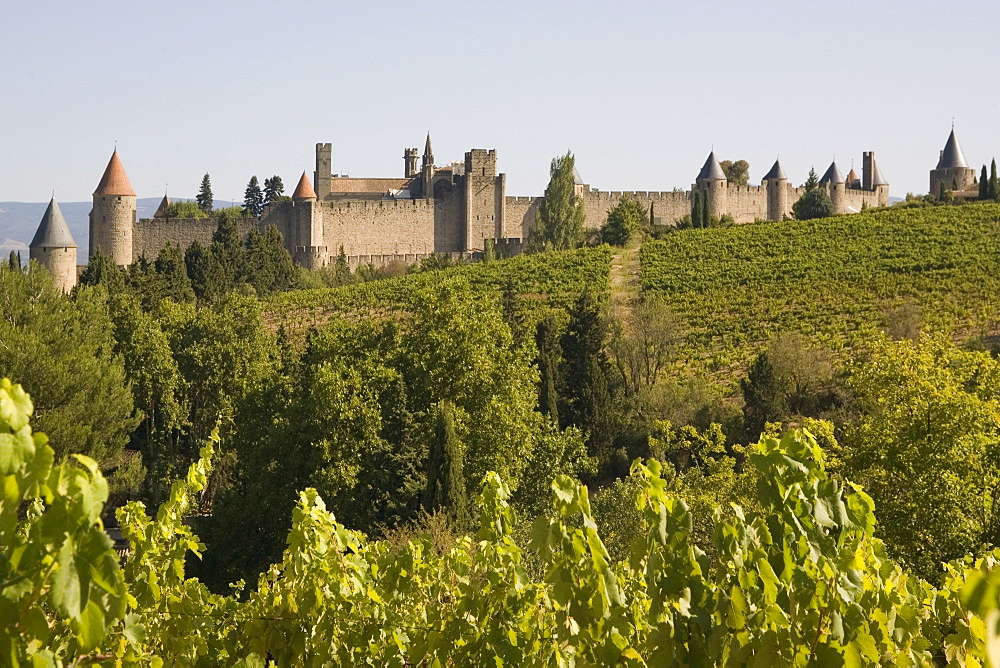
{"x":453,"y":209}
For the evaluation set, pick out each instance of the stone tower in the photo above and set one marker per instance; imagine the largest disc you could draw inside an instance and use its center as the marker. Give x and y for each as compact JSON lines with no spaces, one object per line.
{"x":713,"y":179}
{"x":484,"y":198}
{"x":872,"y":179}
{"x":952,"y":171}
{"x":113,"y":217}
{"x":53,"y":248}
{"x":834,"y":182}
{"x":323,"y":176}
{"x":776,"y":184}
{"x":410,"y":156}
{"x":304,"y":231}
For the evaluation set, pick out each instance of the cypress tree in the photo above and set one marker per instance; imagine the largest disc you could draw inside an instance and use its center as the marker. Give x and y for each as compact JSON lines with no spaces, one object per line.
{"x":14,"y":261}
{"x":994,"y":191}
{"x":445,"y":478}
{"x":705,"y":218}
{"x":763,"y":399}
{"x":204,"y":197}
{"x":547,"y":342}
{"x":984,"y":185}
{"x":696,"y":210}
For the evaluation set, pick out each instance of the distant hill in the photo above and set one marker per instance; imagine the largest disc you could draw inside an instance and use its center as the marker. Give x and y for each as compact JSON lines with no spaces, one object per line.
{"x":19,"y":220}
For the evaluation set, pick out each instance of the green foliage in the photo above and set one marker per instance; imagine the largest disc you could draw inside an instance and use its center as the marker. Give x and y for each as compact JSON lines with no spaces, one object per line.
{"x":812,"y":181}
{"x":625,"y":220}
{"x":253,"y":199}
{"x":925,"y":446}
{"x":798,"y":579}
{"x":62,"y":347}
{"x":101,"y":270}
{"x":560,"y":215}
{"x":62,"y":588}
{"x":832,"y":280}
{"x":737,"y":173}
{"x":815,"y":203}
{"x":268,"y":267}
{"x":445,"y":476}
{"x":185,"y":209}
{"x":984,"y":185}
{"x":274,"y":190}
{"x":204,"y":198}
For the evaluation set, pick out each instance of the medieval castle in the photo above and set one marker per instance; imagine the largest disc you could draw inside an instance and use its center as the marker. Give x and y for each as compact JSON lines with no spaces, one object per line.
{"x":452,"y":209}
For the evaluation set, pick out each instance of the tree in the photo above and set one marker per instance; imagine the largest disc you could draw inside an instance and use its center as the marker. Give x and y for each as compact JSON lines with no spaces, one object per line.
{"x":253,"y":199}
{"x":274,"y":189}
{"x":812,"y":181}
{"x":61,"y":349}
{"x":643,"y":346}
{"x":815,"y":203}
{"x":763,"y":397}
{"x":101,"y":270}
{"x":737,"y":173}
{"x":984,"y":185}
{"x":268,"y":267}
{"x":925,"y":447}
{"x":560,"y":215}
{"x":994,"y":191}
{"x":185,"y":209}
{"x":696,"y":221}
{"x":706,"y":217}
{"x":204,"y":197}
{"x":624,"y":221}
{"x":445,"y":478}
{"x":547,"y":333}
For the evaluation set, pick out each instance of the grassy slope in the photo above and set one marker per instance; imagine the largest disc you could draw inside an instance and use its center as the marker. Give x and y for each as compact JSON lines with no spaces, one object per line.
{"x":832,"y":279}
{"x":555,"y":278}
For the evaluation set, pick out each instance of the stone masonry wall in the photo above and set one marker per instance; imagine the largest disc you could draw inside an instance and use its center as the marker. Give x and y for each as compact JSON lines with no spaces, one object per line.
{"x":152,"y":234}
{"x":383,"y":227}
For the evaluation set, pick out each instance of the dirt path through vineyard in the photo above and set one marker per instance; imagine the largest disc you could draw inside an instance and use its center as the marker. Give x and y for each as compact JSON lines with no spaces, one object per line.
{"x":624,"y":280}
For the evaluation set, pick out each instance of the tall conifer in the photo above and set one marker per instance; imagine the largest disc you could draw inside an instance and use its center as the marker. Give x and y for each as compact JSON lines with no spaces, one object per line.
{"x":984,"y":185}
{"x":204,"y":197}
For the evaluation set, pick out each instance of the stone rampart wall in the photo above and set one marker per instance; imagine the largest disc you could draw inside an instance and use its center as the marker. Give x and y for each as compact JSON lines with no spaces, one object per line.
{"x":384,"y":227}
{"x":152,"y":234}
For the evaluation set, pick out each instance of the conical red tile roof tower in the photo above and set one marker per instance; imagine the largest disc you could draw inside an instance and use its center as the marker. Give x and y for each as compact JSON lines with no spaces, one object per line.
{"x":115,"y":180}
{"x":304,"y":189}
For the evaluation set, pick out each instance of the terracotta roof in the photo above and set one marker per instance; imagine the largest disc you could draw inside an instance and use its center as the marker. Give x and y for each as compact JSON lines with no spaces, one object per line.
{"x":776,"y":172}
{"x":852,"y":176}
{"x":952,"y":155}
{"x":53,"y":232}
{"x":345,"y":184}
{"x":304,"y":190}
{"x":161,"y":211}
{"x":115,"y":180}
{"x":712,"y":170}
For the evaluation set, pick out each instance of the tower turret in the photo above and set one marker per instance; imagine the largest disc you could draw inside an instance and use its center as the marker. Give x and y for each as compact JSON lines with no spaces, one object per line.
{"x":952,"y":171}
{"x":323,"y":175}
{"x":427,"y":169}
{"x":304,"y":190}
{"x":713,"y":179}
{"x":776,"y":184}
{"x":410,"y":156}
{"x":834,"y":182}
{"x":53,"y":247}
{"x":113,"y":217}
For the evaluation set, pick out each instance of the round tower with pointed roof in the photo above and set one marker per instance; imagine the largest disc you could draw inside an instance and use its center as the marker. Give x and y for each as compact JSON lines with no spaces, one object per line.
{"x":304,"y":190}
{"x":112,"y":219}
{"x":834,"y":182}
{"x":713,"y":179}
{"x":952,"y":171}
{"x":53,"y":247}
{"x":776,"y":184}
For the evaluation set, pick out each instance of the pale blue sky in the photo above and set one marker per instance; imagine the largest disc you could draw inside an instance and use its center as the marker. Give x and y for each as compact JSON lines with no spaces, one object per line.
{"x":639,"y":91}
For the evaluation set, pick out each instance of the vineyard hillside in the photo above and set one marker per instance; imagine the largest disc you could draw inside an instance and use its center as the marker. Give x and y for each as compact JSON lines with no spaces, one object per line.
{"x":834,"y":280}
{"x":555,"y":278}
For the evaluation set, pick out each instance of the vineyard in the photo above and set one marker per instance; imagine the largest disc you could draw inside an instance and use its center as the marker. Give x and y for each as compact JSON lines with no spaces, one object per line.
{"x":802,"y":583}
{"x":834,"y":280}
{"x":556,"y":278}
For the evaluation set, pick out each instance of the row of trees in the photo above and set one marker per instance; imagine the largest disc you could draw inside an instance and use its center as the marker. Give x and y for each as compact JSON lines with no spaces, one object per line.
{"x":254,"y":199}
{"x":989,"y":188}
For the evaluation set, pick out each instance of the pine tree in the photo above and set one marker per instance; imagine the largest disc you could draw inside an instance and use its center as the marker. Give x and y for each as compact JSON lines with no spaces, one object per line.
{"x":984,"y":185}
{"x":560,"y":216}
{"x":763,"y":398}
{"x":273,"y":189}
{"x":813,"y":181}
{"x":101,"y":270}
{"x":253,"y":199}
{"x":204,"y":197}
{"x":445,"y":478}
